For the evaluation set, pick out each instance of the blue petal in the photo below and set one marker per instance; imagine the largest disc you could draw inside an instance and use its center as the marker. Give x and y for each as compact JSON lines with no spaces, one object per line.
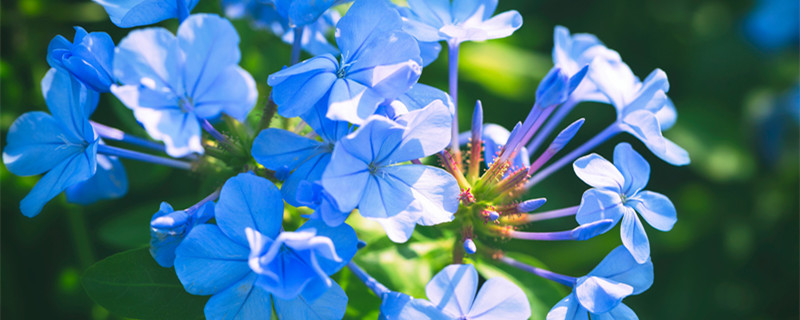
{"x":399,"y":227}
{"x":634,"y":168}
{"x":275,"y":148}
{"x":667,"y":115}
{"x":389,"y":63}
{"x":109,"y":182}
{"x":345,"y":178}
{"x":463,"y":10}
{"x":399,"y":306}
{"x":419,"y":96}
{"x":597,"y":204}
{"x":634,"y":237}
{"x":597,"y":172}
{"x":179,"y":130}
{"x":644,"y":126}
{"x":327,"y":129}
{"x":657,"y":209}
{"x":435,"y":191}
{"x":429,"y":52}
{"x":151,"y":58}
{"x":211,"y":44}
{"x":364,"y":21}
{"x":233,"y":92}
{"x":500,"y":299}
{"x":37,"y":142}
{"x":249,"y":201}
{"x":298,"y":88}
{"x":290,"y":265}
{"x":599,"y":295}
{"x":207,"y":261}
{"x":384,"y":196}
{"x":310,"y":171}
{"x":620,"y":266}
{"x":568,"y":309}
{"x":427,"y":131}
{"x":352,"y":101}
{"x":330,"y":305}
{"x":70,"y":102}
{"x":435,"y":13}
{"x":300,"y":13}
{"x":615,"y":80}
{"x":453,"y":289}
{"x":77,"y":168}
{"x":621,"y":312}
{"x":344,"y":240}
{"x":134,"y":13}
{"x":241,"y":301}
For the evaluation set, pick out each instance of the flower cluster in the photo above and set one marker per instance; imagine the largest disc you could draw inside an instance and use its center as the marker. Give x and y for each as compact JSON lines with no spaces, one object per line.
{"x":359,"y":133}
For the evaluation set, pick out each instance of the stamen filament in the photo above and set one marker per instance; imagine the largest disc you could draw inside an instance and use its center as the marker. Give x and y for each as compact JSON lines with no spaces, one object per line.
{"x":549,"y":275}
{"x":115,"y":134}
{"x":377,"y":288}
{"x":601,"y":137}
{"x":128,"y":154}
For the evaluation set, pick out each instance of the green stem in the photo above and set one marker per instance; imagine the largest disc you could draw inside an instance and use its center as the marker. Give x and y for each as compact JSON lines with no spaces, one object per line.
{"x":80,"y":234}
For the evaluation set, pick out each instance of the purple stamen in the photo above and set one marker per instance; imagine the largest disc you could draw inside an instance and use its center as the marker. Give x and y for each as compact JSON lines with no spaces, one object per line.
{"x":124,"y":153}
{"x":549,"y":275}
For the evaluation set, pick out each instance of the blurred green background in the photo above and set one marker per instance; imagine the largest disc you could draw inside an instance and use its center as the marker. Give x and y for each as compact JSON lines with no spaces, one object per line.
{"x":732,"y":255}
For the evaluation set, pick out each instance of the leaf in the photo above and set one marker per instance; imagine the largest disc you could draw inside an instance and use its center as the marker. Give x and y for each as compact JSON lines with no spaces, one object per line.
{"x":131,"y":284}
{"x":542,"y":294}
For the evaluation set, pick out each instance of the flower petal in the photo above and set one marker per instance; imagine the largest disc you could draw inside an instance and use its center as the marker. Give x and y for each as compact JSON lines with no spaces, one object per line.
{"x":399,"y":306}
{"x":427,"y":131}
{"x":500,"y":299}
{"x":345,"y":178}
{"x":621,"y":312}
{"x":634,"y":168}
{"x":109,"y":182}
{"x":249,"y":201}
{"x":151,"y":58}
{"x":275,"y":148}
{"x":78,"y":167}
{"x":597,"y":172}
{"x":620,"y":266}
{"x":134,"y":13}
{"x":344,"y":240}
{"x":599,"y":295}
{"x":36,"y":142}
{"x":634,"y":237}
{"x":241,"y":301}
{"x":207,"y":261}
{"x":179,"y":130}
{"x":352,"y":101}
{"x":453,"y":289}
{"x":568,"y":309}
{"x":330,"y":305}
{"x":233,"y":91}
{"x":657,"y":209}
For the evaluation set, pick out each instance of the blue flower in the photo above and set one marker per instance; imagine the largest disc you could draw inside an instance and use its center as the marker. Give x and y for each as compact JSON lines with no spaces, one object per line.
{"x":365,"y":171}
{"x":314,"y":196}
{"x":248,"y":264}
{"x":110,"y":181}
{"x":451,"y":295}
{"x":134,"y":13}
{"x":305,"y":158}
{"x":419,"y":96}
{"x":772,"y":24}
{"x":89,"y":58}
{"x":379,"y":62}
{"x":573,"y":52}
{"x":457,"y":21}
{"x":169,"y":227}
{"x":172,"y":83}
{"x":61,"y":143}
{"x":600,"y":292}
{"x":618,"y":194}
{"x":263,"y":15}
{"x":429,"y":51}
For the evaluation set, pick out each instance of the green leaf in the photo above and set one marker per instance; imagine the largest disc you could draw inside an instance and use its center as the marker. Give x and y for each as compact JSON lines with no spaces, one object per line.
{"x":130,"y":284}
{"x":542,"y":294}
